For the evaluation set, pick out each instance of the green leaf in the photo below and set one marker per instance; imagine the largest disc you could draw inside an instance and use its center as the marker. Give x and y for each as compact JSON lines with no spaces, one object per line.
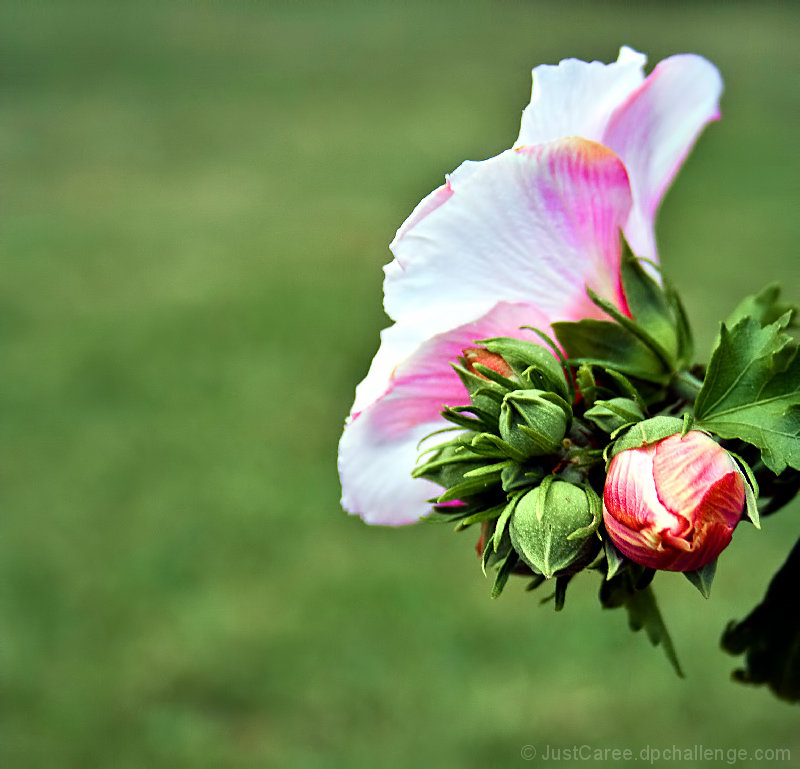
{"x":642,"y":611}
{"x":764,"y":306}
{"x":635,"y":328}
{"x":603,"y":343}
{"x":752,"y":391}
{"x":649,"y":305}
{"x":682,"y":327}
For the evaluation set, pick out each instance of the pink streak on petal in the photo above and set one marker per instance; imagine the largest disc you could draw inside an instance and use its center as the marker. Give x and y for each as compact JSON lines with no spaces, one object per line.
{"x":422,"y":385}
{"x":533,"y":225}
{"x":378,"y":449}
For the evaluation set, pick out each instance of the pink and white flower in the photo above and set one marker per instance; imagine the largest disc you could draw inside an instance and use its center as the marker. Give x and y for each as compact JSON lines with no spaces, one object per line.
{"x":514,"y":240}
{"x":673,"y":504}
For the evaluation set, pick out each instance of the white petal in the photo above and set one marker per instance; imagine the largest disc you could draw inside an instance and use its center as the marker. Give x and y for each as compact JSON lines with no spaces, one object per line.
{"x":532,"y":225}
{"x":577,"y":98}
{"x":654,"y":130}
{"x":378,"y":449}
{"x":375,"y":471}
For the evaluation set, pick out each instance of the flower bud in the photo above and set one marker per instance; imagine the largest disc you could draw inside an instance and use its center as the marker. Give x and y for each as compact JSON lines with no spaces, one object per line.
{"x":610,"y":415}
{"x":673,"y":504}
{"x":534,"y":422}
{"x":491,"y":360}
{"x":552,"y":527}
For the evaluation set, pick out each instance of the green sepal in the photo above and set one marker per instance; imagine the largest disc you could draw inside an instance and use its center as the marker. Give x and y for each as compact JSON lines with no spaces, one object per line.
{"x":504,"y":572}
{"x":625,"y":387}
{"x":636,"y":329}
{"x":561,"y":591}
{"x":489,"y":445}
{"x":488,"y":514}
{"x":559,"y":595}
{"x":607,"y":344}
{"x":586,"y":384}
{"x":560,"y":355}
{"x":490,"y":556}
{"x":682,"y":327}
{"x":517,"y":477}
{"x":480,"y":421}
{"x":470,"y":486}
{"x":534,"y":422}
{"x":646,"y":432}
{"x":535,"y":366}
{"x":448,"y":466}
{"x":750,"y":490}
{"x":492,"y":375}
{"x":495,"y":470}
{"x":614,"y":559}
{"x":595,"y":510}
{"x":483,"y":393}
{"x":649,"y":306}
{"x":702,"y":578}
{"x":502,"y":522}
{"x":609,"y":415}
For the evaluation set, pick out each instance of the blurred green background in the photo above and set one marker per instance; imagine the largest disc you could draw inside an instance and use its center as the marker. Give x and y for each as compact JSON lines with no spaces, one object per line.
{"x":198,"y":198}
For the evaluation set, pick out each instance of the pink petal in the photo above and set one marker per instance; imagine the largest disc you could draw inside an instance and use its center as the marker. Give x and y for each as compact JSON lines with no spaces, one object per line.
{"x":694,"y":473}
{"x":378,"y":449}
{"x":653,"y":131}
{"x":630,"y":493}
{"x":533,"y":225}
{"x":577,"y":98}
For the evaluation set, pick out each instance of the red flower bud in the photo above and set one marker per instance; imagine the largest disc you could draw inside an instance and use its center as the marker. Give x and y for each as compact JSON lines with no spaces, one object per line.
{"x":492,"y":360}
{"x":673,"y":504}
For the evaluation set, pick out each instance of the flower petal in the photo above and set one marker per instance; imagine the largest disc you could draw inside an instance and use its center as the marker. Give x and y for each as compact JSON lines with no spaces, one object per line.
{"x":653,"y":131}
{"x":694,"y":473}
{"x":533,"y":225}
{"x":378,"y":449}
{"x":577,"y":98}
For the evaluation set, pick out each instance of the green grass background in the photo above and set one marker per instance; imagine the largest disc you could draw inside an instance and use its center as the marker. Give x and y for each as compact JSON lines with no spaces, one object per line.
{"x":198,"y":198}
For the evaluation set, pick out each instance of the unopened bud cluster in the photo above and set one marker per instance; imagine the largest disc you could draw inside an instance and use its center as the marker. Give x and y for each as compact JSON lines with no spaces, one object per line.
{"x":560,"y":473}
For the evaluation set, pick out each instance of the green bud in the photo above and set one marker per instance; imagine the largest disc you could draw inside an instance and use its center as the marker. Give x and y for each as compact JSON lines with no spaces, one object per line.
{"x":535,"y":365}
{"x":615,"y":413}
{"x":518,"y":476}
{"x":534,"y":422}
{"x":552,"y":527}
